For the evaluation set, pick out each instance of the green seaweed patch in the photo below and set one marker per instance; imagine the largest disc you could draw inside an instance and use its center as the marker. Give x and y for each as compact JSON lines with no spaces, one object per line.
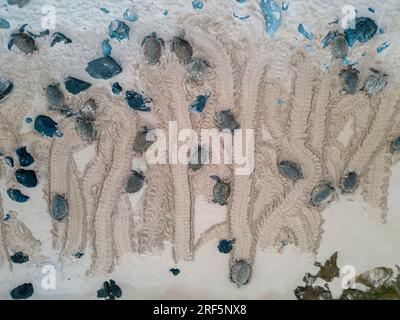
{"x":309,"y":292}
{"x":329,"y":270}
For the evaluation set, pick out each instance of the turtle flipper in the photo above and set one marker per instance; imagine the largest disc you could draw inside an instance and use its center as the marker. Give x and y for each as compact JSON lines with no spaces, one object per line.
{"x":144,"y":40}
{"x":10,"y":44}
{"x":216,"y":178}
{"x":23,"y":27}
{"x":162,"y":42}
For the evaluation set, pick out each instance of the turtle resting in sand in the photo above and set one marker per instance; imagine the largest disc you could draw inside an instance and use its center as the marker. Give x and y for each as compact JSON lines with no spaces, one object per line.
{"x":55,"y":97}
{"x":135,"y":181}
{"x":240,"y":272}
{"x":196,"y":70}
{"x":89,"y":110}
{"x":290,"y":170}
{"x":23,"y":42}
{"x":59,"y":207}
{"x":221,"y":191}
{"x":226,"y":120}
{"x":152,"y":48}
{"x":349,"y":182}
{"x":350,"y":79}
{"x":395,"y":146}
{"x":322,"y":194}
{"x":182,"y":48}
{"x":338,"y":42}
{"x":142,"y":141}
{"x":375,"y":83}
{"x":197,"y":159}
{"x":86,"y":129}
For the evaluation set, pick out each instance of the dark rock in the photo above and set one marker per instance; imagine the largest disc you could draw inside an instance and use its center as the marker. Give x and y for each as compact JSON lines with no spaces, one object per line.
{"x":46,"y":126}
{"x":225,"y":246}
{"x":116,"y":88}
{"x":118,"y":30}
{"x":199,"y":103}
{"x":137,"y":101}
{"x":115,"y":289}
{"x":290,"y":170}
{"x":365,"y":30}
{"x":103,"y":68}
{"x":19,"y":258}
{"x":59,"y":37}
{"x":106,"y":47}
{"x":4,"y":24}
{"x":20,"y":3}
{"x":59,"y":207}
{"x":76,"y":86}
{"x":17,"y":195}
{"x":24,"y":291}
{"x":25,"y":158}
{"x":226,"y":120}
{"x":175,"y":271}
{"x":26,"y":177}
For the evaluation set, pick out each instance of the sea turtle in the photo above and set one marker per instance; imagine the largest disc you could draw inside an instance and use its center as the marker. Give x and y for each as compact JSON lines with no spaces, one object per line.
{"x":240,"y":272}
{"x":182,"y":48}
{"x":89,"y":109}
{"x":350,"y":77}
{"x":152,"y":48}
{"x":142,"y":143}
{"x":226,"y":120}
{"x":85,"y":128}
{"x":135,"y":181}
{"x":322,"y":194}
{"x":59,"y":207}
{"x":349,"y":182}
{"x":395,"y":146}
{"x":290,"y":170}
{"x":338,"y":42}
{"x":375,"y":83}
{"x":221,"y":191}
{"x":55,"y":97}
{"x":22,"y":41}
{"x":196,"y":70}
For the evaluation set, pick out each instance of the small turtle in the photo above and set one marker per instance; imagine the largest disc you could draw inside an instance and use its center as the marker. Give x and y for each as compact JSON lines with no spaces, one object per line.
{"x":89,"y":109}
{"x":226,"y":120}
{"x":196,"y":70}
{"x":152,"y":48}
{"x":86,"y":129}
{"x":290,"y":170}
{"x":23,"y":41}
{"x":59,"y":207}
{"x":339,"y":46}
{"x":55,"y":97}
{"x":240,"y":272}
{"x":322,"y":194}
{"x":350,"y":77}
{"x":197,"y":159}
{"x":221,"y":191}
{"x":141,"y":143}
{"x":135,"y":181}
{"x":375,"y":83}
{"x":182,"y":48}
{"x":349,"y":182}
{"x":395,"y":146}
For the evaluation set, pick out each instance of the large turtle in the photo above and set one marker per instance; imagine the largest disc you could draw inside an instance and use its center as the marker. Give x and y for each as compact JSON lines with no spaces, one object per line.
{"x":322,"y":194}
{"x":338,"y":42}
{"x":152,"y":48}
{"x":59,"y":207}
{"x":349,"y":182}
{"x":182,"y":48}
{"x":23,"y":41}
{"x":55,"y":97}
{"x":290,"y":170}
{"x":89,"y":109}
{"x":225,"y":119}
{"x":221,"y":191}
{"x":196,"y":70}
{"x":135,"y":181}
{"x":349,"y":77}
{"x":240,"y":272}
{"x":375,"y":83}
